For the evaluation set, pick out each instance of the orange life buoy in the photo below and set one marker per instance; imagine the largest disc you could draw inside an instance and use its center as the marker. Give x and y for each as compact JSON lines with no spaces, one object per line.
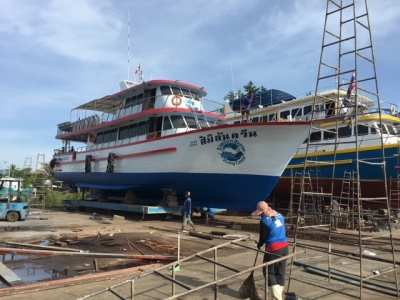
{"x":176,"y":100}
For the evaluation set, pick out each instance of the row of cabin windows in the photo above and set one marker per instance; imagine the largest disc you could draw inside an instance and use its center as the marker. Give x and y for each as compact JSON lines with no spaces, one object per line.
{"x":346,"y":131}
{"x":174,"y":90}
{"x":139,"y":99}
{"x":142,"y":128}
{"x":297,"y":112}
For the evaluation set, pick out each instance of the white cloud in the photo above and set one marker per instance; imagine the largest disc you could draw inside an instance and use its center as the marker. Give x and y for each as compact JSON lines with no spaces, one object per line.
{"x":87,"y":30}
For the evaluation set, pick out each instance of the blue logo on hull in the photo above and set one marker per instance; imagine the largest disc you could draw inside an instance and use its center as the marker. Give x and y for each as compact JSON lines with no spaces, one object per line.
{"x":232,"y":152}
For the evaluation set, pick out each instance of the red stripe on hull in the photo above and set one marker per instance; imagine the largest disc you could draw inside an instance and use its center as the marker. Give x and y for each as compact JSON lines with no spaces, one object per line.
{"x":138,"y":154}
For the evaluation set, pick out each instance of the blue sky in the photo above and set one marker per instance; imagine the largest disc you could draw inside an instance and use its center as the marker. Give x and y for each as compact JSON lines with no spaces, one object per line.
{"x":56,"y":54}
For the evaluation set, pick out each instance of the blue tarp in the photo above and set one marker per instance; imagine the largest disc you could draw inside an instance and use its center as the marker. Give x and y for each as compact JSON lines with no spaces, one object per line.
{"x":264,"y":98}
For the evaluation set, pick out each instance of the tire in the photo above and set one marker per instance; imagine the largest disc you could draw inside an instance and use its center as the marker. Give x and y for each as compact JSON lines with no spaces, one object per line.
{"x":12,"y":216}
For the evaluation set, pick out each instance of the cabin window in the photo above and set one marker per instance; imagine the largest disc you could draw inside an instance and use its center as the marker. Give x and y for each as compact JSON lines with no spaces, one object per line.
{"x":265,"y":118}
{"x":186,"y":93}
{"x":167,"y":123}
{"x":191,"y":122}
{"x":373,"y":130}
{"x":202,"y":122}
{"x":382,"y":128}
{"x":330,"y":134}
{"x":330,"y":108}
{"x":391,"y":129}
{"x":254,"y":120}
{"x":195,"y":95}
{"x":236,"y":122}
{"x":106,"y":136}
{"x":165,"y":90}
{"x":344,"y":131}
{"x":176,"y":91}
{"x":132,"y":130}
{"x":362,"y":130}
{"x":285,"y":114}
{"x":178,"y":121}
{"x":296,"y":112}
{"x":315,"y":136}
{"x":307,"y":109}
{"x":272,"y":117}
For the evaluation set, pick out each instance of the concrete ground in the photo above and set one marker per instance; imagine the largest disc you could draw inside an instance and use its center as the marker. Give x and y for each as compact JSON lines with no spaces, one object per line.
{"x":194,"y":272}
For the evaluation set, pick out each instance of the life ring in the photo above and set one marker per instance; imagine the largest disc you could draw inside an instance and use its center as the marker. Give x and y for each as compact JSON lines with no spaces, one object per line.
{"x":176,"y":100}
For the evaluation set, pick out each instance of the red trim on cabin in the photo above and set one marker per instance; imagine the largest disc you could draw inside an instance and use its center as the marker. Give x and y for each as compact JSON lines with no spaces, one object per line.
{"x":189,"y":85}
{"x":203,"y":130}
{"x":138,"y":154}
{"x":146,"y":113}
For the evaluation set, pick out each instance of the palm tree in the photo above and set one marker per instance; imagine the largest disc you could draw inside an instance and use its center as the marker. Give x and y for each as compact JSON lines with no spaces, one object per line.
{"x":250,"y":88}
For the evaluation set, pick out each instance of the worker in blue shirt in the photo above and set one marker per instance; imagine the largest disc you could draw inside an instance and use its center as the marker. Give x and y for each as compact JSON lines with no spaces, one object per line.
{"x":187,"y":211}
{"x":273,"y":236}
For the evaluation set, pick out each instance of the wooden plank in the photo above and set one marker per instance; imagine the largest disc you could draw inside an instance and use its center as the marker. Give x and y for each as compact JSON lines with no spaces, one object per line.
{"x":34,"y":246}
{"x":8,"y":275}
{"x":80,"y":279}
{"x":88,"y":254}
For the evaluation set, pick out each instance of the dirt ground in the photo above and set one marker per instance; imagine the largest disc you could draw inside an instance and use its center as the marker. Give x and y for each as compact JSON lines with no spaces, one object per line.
{"x":154,"y":236}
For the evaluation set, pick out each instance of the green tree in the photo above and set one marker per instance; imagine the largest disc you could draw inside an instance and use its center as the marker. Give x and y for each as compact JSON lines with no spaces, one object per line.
{"x":250,"y":88}
{"x":230,"y":96}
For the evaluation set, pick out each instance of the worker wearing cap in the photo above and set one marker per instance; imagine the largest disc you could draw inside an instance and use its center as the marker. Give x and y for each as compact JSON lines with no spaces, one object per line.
{"x":187,"y":212}
{"x":273,"y":235}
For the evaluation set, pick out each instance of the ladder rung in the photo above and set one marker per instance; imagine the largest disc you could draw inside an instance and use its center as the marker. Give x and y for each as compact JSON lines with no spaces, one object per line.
{"x":337,"y":74}
{"x":332,"y":143}
{"x":380,"y":272}
{"x":313,"y":226}
{"x":352,"y":19}
{"x":375,"y":236}
{"x":359,"y":49}
{"x":372,"y":198}
{"x":320,"y":162}
{"x":358,"y":81}
{"x":368,"y":92}
{"x":339,"y":9}
{"x":371,"y":163}
{"x":339,"y":41}
{"x":317,"y":193}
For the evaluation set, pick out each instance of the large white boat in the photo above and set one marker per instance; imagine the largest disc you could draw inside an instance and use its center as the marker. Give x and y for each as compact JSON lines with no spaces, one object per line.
{"x":278,"y":106}
{"x":156,"y":135}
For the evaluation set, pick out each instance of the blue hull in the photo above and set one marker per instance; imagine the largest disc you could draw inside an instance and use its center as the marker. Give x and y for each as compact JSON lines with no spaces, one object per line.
{"x":236,"y":192}
{"x":367,"y":172}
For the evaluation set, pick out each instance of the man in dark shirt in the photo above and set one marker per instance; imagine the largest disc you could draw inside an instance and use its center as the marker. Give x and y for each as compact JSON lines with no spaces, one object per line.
{"x":273,"y":235}
{"x":187,"y":212}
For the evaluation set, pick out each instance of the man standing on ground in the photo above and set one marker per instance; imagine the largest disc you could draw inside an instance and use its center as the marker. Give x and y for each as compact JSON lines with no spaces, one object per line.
{"x":273,"y":235}
{"x":187,"y":212}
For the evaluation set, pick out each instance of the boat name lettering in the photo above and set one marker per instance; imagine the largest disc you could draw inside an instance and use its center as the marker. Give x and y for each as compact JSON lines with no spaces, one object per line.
{"x":220,"y":136}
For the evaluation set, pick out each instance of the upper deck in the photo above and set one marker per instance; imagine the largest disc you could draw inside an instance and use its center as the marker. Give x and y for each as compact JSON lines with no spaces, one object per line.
{"x":138,"y":112}
{"x":136,"y":100}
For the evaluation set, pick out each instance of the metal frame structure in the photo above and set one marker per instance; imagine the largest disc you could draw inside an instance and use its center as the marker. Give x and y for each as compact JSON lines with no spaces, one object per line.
{"x":343,"y":52}
{"x":134,"y":282}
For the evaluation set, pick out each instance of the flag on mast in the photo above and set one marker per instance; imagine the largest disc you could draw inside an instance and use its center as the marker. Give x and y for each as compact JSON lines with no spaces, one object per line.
{"x":352,"y":86}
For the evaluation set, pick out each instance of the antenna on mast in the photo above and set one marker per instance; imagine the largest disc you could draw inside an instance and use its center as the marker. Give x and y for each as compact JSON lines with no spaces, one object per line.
{"x":129,"y":44}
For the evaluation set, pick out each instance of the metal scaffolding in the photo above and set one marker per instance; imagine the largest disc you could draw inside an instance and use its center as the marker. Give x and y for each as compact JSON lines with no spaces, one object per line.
{"x":128,"y":288}
{"x":346,"y":52}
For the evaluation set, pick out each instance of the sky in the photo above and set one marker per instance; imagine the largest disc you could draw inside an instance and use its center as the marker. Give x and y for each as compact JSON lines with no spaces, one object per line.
{"x":57,"y":54}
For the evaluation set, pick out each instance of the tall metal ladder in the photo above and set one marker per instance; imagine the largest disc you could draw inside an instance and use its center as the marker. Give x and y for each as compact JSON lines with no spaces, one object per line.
{"x":345,"y":53}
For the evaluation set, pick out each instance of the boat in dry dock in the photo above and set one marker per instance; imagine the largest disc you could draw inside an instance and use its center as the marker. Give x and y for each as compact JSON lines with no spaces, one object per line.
{"x":156,"y":136}
{"x":279,"y":106}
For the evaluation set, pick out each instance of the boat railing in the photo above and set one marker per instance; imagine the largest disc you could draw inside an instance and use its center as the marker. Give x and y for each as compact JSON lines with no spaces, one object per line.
{"x":86,"y":122}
